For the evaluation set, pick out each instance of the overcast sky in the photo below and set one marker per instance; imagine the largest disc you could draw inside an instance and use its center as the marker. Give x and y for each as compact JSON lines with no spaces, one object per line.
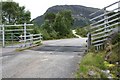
{"x":38,"y":7}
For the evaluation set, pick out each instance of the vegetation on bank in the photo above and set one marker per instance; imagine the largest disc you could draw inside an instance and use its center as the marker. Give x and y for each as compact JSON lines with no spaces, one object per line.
{"x":91,"y":62}
{"x":102,"y":64}
{"x":93,"y":65}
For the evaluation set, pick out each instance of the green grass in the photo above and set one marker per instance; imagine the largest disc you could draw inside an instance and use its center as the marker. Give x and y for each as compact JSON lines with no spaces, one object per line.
{"x":94,"y":62}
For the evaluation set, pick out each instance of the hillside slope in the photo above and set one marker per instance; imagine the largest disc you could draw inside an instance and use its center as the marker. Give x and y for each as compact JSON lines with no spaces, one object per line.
{"x":79,"y":13}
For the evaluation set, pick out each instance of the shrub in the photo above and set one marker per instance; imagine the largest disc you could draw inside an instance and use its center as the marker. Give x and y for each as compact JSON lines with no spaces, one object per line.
{"x":82,"y":32}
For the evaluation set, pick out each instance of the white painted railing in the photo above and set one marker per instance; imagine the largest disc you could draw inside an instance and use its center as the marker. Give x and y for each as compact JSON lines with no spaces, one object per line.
{"x":23,"y":39}
{"x":104,"y":24}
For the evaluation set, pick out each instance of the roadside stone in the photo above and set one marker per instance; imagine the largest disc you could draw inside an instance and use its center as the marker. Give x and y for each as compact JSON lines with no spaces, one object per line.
{"x":91,"y":73}
{"x":106,"y":71}
{"x":110,"y":77}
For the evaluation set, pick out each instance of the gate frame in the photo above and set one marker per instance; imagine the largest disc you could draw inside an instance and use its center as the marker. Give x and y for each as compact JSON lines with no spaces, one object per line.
{"x":99,"y":46}
{"x":25,"y":31}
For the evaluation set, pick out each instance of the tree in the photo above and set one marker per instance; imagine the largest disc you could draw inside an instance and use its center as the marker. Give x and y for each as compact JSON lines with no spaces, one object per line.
{"x":12,"y":13}
{"x":46,"y":25}
{"x":50,"y":17}
{"x":57,"y":25}
{"x":63,"y":23}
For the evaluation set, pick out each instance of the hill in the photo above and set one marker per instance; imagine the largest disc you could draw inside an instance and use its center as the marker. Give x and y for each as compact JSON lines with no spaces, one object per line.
{"x":79,"y":13}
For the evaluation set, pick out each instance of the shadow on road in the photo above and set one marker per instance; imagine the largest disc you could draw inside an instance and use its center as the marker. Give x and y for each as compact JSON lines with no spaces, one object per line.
{"x":61,"y":48}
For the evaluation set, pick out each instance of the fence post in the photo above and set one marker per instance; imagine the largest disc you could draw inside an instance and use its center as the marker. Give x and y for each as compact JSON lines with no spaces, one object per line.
{"x":106,"y":21}
{"x":12,"y":37}
{"x":24,"y":34}
{"x":119,"y":5}
{"x":31,"y":37}
{"x":3,"y":35}
{"x":89,"y":40}
{"x":119,"y":16}
{"x":41,"y":37}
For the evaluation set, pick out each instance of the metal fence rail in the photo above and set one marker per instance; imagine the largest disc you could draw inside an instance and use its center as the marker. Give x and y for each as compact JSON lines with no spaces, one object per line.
{"x":104,"y":24}
{"x":9,"y":32}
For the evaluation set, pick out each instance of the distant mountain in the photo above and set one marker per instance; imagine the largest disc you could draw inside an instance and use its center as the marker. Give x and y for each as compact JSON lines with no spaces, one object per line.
{"x":79,"y":13}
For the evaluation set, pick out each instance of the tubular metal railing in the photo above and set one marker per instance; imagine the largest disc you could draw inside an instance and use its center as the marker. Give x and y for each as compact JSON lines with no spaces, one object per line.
{"x":8,"y":33}
{"x":105,"y":25}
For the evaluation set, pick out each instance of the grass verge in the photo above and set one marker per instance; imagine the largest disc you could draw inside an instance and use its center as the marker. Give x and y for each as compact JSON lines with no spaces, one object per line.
{"x":95,"y":63}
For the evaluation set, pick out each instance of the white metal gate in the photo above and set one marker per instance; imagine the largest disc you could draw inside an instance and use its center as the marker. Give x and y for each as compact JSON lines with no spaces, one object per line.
{"x":104,"y":24}
{"x":17,"y":35}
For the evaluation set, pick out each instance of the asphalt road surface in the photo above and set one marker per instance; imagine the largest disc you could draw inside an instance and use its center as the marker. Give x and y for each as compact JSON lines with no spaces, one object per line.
{"x":54,"y":59}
